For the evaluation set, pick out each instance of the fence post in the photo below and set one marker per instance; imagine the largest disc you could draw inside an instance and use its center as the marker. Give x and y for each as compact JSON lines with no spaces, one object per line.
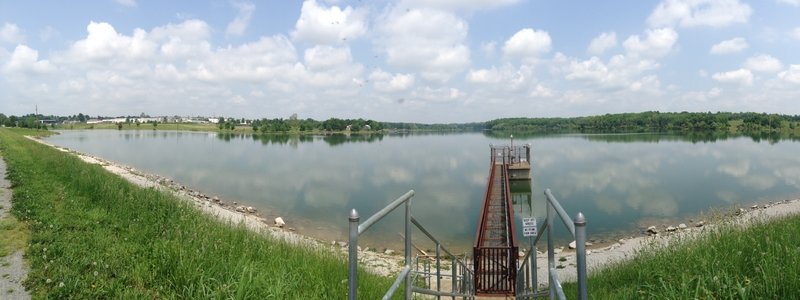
{"x":580,"y":252}
{"x":551,"y":258}
{"x":408,"y":249}
{"x":353,"y":256}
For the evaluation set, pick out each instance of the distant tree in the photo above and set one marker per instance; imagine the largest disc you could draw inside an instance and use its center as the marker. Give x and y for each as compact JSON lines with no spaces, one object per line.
{"x":119,"y":126}
{"x":155,"y":123}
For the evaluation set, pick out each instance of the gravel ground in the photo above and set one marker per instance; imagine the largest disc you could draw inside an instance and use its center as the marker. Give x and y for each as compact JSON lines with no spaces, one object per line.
{"x":12,"y":267}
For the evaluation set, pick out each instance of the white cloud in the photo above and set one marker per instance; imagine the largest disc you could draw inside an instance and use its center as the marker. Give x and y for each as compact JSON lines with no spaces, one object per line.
{"x":10,"y":33}
{"x":326,"y":57}
{"x":103,"y":44}
{"x":791,"y":75}
{"x":484,"y":76}
{"x":527,"y":44}
{"x":790,"y":2}
{"x":128,"y":3}
{"x":26,"y":60}
{"x":508,"y":79}
{"x":592,"y":69}
{"x":740,"y":76}
{"x":469,"y":5}
{"x":425,"y":40}
{"x":733,"y":45}
{"x":692,"y":13}
{"x":763,"y":63}
{"x":621,"y":72}
{"x":489,"y":48}
{"x":657,"y":43}
{"x":796,"y":33}
{"x":603,"y":42}
{"x":385,"y":82}
{"x":321,"y":25}
{"x":714,"y":92}
{"x":242,"y":19}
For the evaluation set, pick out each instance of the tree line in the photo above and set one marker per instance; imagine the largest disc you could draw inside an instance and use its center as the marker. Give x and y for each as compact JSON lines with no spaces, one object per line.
{"x":304,"y":125}
{"x":652,"y":121}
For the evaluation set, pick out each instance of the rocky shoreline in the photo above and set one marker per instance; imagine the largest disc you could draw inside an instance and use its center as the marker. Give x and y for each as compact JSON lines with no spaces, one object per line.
{"x":384,"y":262}
{"x":606,"y":254}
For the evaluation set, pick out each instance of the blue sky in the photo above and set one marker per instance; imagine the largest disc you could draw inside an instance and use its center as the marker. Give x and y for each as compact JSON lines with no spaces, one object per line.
{"x":408,"y":60}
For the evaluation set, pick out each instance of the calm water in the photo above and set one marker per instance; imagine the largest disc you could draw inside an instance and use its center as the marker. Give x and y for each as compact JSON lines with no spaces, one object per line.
{"x":621,"y":182}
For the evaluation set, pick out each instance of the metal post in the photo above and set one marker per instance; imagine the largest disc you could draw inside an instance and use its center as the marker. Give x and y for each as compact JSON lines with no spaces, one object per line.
{"x":580,"y":252}
{"x":528,"y":152}
{"x":353,"y":256}
{"x":454,"y":272}
{"x":408,"y":249}
{"x":534,"y":267}
{"x":551,"y":258}
{"x":438,"y":271}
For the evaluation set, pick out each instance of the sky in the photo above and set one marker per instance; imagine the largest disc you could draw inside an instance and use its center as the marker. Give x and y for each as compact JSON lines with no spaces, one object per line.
{"x":430,"y":61}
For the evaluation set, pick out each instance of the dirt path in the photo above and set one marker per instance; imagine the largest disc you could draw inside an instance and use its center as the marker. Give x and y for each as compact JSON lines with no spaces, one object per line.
{"x":13,"y":268}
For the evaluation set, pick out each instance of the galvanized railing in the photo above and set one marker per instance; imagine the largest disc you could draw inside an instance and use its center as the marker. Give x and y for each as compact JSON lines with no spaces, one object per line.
{"x":527,"y":281}
{"x":462,"y":285}
{"x":496,"y":265}
{"x":511,"y":154}
{"x":461,"y":276}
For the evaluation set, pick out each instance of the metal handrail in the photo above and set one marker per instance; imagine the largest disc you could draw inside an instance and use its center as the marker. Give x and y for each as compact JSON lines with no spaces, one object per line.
{"x":479,"y":233}
{"x":405,"y":276}
{"x":527,"y":285}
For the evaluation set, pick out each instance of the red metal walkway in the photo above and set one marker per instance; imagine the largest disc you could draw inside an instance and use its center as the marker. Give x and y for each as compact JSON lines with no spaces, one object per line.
{"x":495,"y":250}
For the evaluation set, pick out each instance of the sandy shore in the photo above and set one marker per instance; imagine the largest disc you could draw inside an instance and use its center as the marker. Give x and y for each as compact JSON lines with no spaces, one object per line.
{"x":234,"y":213}
{"x":598,"y":257}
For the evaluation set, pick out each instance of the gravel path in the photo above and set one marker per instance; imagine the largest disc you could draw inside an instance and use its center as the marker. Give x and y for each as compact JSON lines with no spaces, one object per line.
{"x":12,"y":267}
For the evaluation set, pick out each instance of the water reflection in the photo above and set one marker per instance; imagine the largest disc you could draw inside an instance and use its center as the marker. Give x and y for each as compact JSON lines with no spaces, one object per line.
{"x":620,"y":182}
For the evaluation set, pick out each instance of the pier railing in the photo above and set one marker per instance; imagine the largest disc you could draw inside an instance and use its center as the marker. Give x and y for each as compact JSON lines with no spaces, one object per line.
{"x":511,"y":154}
{"x":527,"y":283}
{"x":461,"y":280}
{"x":496,"y":266}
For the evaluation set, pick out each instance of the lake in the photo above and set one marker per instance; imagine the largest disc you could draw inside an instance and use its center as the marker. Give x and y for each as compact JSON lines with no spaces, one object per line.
{"x":621,"y":182}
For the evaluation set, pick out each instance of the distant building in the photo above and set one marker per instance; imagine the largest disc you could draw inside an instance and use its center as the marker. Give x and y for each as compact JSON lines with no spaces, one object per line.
{"x":48,"y":122}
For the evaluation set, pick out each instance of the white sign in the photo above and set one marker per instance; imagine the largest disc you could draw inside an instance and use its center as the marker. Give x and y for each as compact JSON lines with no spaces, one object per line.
{"x":529,"y":231}
{"x":529,"y":222}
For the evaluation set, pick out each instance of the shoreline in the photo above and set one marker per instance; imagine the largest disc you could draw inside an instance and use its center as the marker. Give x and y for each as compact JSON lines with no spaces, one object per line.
{"x":610,"y":249}
{"x":382,"y":263}
{"x":601,"y":256}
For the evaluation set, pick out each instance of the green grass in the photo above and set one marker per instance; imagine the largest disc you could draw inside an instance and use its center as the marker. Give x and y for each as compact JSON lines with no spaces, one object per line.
{"x":759,"y":262}
{"x":94,"y":235}
{"x":14,"y":235}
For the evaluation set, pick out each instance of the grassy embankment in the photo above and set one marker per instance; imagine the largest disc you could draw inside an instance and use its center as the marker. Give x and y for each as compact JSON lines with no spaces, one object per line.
{"x":94,"y":235}
{"x":758,"y":262}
